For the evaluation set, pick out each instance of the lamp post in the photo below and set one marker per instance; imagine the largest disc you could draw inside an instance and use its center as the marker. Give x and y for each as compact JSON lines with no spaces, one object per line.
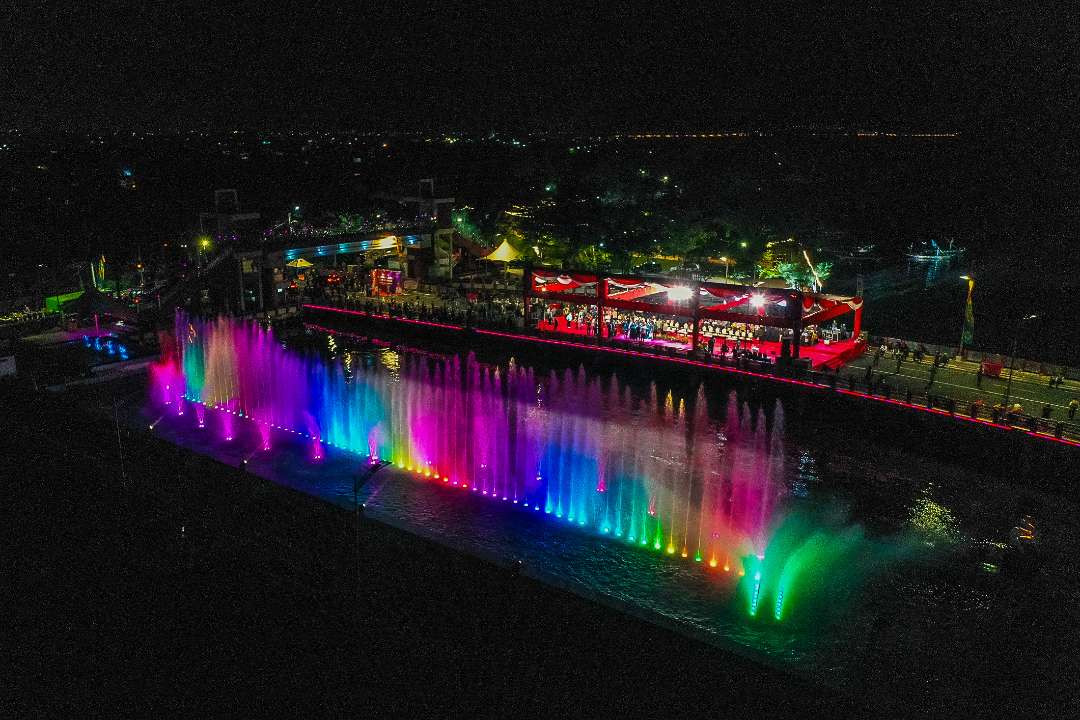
{"x":963,"y":326}
{"x":725,"y":261}
{"x":1012,"y":359}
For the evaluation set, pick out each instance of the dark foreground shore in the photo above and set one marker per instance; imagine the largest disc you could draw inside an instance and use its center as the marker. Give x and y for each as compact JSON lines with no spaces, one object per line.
{"x":194,"y":587}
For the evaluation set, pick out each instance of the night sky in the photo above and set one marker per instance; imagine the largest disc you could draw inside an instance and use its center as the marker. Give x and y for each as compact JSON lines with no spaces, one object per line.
{"x":573,"y":66}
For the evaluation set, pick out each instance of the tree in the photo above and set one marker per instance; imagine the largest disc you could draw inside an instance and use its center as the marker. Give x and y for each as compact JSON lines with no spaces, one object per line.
{"x":592,"y":257}
{"x":690,"y":241}
{"x":464,"y":225}
{"x":824,"y":270}
{"x":350,"y":222}
{"x":799,"y":275}
{"x":767,"y":265}
{"x":794,"y":274}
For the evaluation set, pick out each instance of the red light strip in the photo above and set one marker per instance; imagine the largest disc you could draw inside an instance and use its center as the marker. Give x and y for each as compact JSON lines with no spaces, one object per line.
{"x":698,"y":363}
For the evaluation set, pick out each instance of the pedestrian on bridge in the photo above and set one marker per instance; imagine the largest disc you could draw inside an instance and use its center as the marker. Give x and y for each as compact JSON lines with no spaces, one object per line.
{"x":1073,"y":404}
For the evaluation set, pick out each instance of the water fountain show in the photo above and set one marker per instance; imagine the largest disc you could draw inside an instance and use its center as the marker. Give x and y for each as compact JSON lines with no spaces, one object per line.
{"x":699,"y":481}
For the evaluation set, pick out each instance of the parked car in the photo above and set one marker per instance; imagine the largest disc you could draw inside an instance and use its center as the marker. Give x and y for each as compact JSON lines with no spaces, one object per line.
{"x":649,"y":268}
{"x":688,"y":270}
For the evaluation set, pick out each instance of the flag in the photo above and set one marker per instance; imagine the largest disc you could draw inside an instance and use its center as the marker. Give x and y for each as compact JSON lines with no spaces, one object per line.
{"x":969,"y":317}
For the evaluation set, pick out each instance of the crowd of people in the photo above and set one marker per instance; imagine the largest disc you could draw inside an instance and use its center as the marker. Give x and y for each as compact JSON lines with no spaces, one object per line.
{"x":724,"y":341}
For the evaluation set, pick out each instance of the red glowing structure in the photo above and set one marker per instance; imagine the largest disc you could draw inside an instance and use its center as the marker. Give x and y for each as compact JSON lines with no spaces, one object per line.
{"x":694,"y":315}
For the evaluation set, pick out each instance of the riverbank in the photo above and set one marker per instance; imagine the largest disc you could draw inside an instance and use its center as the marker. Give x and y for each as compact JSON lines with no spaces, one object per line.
{"x":170,"y":581}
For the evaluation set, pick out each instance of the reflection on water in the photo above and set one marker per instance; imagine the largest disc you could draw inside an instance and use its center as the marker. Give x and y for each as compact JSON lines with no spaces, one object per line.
{"x":934,"y":521}
{"x":687,"y":503}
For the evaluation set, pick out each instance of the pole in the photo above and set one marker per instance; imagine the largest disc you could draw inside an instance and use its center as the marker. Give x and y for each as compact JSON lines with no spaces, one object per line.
{"x":1012,"y":359}
{"x":1012,"y":363}
{"x":695,"y":309}
{"x":601,"y":301}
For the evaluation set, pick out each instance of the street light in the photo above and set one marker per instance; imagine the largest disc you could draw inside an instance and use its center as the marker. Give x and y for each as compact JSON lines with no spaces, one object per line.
{"x":725,"y":261}
{"x":1012,"y":360}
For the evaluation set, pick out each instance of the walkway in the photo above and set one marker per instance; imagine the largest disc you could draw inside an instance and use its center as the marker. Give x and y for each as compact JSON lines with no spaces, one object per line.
{"x":958,"y":379}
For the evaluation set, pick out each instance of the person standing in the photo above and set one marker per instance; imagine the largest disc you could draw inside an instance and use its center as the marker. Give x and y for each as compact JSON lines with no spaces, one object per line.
{"x":1073,"y":405}
{"x":978,"y":377}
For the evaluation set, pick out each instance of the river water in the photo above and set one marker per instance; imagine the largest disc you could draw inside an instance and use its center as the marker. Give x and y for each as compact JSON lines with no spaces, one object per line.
{"x":698,"y":505}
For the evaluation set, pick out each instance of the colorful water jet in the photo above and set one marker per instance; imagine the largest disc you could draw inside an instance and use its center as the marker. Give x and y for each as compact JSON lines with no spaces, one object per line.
{"x":693,"y":484}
